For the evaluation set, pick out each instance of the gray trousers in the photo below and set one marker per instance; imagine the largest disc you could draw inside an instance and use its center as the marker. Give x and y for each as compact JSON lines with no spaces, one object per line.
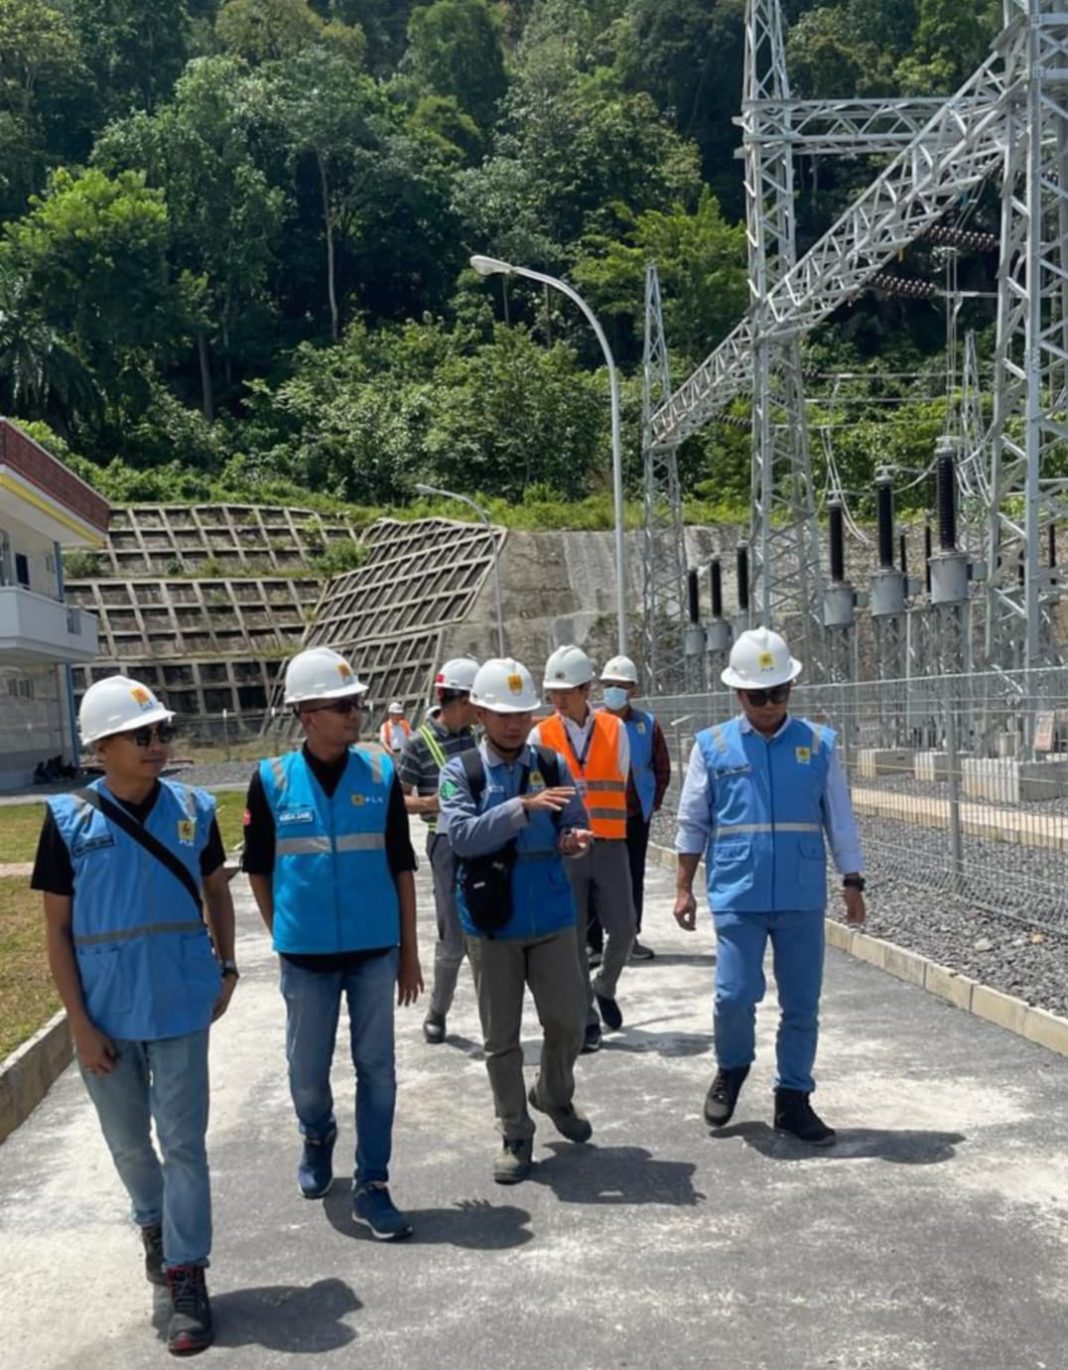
{"x":604,"y":872}
{"x":449,"y":948}
{"x":503,"y":967}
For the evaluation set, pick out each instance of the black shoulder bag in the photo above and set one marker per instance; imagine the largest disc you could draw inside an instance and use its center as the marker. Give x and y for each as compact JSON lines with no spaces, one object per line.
{"x":486,"y":881}
{"x":130,"y":826}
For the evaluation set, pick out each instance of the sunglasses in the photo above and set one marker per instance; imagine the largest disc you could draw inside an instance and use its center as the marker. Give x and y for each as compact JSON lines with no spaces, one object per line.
{"x":350,"y":705}
{"x":164,"y":733}
{"x":778,"y":695}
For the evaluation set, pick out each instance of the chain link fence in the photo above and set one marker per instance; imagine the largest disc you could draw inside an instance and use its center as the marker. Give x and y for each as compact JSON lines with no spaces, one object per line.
{"x":960,"y":783}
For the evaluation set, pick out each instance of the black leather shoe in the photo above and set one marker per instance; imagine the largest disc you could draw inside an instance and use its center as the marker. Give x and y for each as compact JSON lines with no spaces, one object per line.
{"x":723,"y":1094}
{"x":794,"y":1114}
{"x":610,"y":1012}
{"x":592,"y":1040}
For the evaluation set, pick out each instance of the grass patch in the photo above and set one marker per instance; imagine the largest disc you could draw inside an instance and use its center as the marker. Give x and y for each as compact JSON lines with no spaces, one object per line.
{"x":230,"y":808}
{"x":27,"y":996}
{"x":20,"y":826}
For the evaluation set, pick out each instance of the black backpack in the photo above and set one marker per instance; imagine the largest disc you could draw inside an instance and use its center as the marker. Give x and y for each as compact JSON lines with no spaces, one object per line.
{"x":486,"y":881}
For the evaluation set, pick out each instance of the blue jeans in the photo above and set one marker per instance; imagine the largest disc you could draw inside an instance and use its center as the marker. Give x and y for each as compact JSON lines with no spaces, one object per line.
{"x":165,"y":1082}
{"x":313,"y":1002}
{"x":797,"y":951}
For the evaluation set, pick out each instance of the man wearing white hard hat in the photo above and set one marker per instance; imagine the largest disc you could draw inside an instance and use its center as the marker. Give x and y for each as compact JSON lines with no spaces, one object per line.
{"x":761,"y":794}
{"x":512,"y":814}
{"x":597,"y":749}
{"x":396,"y":730}
{"x":330,"y":862}
{"x":650,"y":776}
{"x":419,"y":769}
{"x":133,"y":876}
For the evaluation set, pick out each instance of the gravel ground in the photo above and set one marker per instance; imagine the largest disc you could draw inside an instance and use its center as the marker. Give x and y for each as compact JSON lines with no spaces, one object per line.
{"x":1021,"y":949}
{"x":939,"y":789}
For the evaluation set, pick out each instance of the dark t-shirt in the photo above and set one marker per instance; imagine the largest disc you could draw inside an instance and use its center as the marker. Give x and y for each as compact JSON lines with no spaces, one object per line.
{"x":53,"y":872}
{"x":258,"y":856}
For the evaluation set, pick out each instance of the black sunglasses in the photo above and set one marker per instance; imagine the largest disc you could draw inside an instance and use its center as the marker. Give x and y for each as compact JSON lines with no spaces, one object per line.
{"x":779,"y":694}
{"x":164,"y":733}
{"x":349,"y":705}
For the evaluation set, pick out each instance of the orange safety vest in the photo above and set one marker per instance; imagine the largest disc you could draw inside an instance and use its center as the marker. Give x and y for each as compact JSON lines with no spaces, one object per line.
{"x":603,"y":789}
{"x":385,"y":733}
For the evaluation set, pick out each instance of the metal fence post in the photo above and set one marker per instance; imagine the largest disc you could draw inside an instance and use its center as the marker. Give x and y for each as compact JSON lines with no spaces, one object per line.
{"x":956,"y":850}
{"x":226,"y":732}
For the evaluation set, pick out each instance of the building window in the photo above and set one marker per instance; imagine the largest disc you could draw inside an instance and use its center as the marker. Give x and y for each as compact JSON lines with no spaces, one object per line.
{"x":22,"y":570}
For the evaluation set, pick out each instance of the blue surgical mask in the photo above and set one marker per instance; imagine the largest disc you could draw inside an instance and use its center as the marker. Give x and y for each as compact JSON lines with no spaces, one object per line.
{"x":616,"y":697}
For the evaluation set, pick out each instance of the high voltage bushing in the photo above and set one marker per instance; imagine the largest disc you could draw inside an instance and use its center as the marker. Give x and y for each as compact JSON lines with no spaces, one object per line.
{"x":836,"y":533}
{"x":693,"y":597}
{"x":888,"y":585}
{"x":742,"y":564}
{"x":966,"y":238}
{"x":719,"y":630}
{"x":928,"y":549}
{"x":908,"y":287}
{"x":694,"y":641}
{"x":904,"y":547}
{"x":948,"y":571}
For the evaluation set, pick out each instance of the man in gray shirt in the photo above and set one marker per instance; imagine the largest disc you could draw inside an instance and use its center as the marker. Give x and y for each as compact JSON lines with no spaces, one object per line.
{"x":418,"y":770}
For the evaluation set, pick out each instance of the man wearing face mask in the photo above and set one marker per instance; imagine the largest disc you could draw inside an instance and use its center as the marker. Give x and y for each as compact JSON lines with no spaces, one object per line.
{"x":761,"y":792}
{"x":650,"y":776}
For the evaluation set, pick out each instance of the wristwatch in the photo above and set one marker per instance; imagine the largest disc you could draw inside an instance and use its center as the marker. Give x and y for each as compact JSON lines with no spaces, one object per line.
{"x":854,"y":882}
{"x":229,"y":968}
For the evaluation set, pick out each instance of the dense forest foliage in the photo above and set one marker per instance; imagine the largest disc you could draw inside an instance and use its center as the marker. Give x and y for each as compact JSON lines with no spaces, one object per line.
{"x":235,"y":236}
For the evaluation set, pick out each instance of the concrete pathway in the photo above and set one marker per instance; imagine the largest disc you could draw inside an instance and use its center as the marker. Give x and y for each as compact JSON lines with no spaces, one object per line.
{"x":932,"y":1237}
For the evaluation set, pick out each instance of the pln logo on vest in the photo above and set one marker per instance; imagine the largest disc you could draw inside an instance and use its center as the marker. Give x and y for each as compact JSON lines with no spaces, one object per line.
{"x":361,"y":799}
{"x":187,"y":831}
{"x":804,"y":755}
{"x":537,"y":780}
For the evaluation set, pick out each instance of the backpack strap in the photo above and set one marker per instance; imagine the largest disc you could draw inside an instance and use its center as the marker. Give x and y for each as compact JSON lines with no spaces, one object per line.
{"x":475,"y":772}
{"x":549,"y":764}
{"x":130,"y":826}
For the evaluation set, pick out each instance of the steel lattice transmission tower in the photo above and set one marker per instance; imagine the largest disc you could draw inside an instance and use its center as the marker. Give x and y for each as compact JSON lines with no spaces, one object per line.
{"x":784,"y":535}
{"x":663,"y":538}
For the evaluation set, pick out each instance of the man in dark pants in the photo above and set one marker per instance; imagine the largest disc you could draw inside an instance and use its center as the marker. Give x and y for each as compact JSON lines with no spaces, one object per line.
{"x":330,"y":863}
{"x":650,"y":776}
{"x":419,"y":769}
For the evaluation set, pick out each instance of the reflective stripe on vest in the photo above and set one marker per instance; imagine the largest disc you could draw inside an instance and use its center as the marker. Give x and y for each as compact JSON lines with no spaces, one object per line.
{"x":599,"y":776}
{"x":733,"y":829}
{"x":99,"y":939}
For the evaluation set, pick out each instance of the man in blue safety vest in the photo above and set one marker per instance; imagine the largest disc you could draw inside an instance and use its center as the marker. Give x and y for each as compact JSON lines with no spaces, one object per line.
{"x":760,"y":793}
{"x":330,"y":863}
{"x":650,"y":776}
{"x":123,"y":865}
{"x":512,"y":814}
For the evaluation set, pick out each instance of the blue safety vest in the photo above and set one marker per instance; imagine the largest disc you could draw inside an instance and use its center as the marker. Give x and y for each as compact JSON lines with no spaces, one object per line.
{"x":144,"y":957}
{"x":767,"y":851}
{"x":333,"y":889}
{"x":640,"y":731}
{"x":542,"y":902}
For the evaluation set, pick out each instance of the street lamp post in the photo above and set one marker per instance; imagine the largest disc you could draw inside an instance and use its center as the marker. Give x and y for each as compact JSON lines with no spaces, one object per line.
{"x":463,"y":499}
{"x":491,"y":266}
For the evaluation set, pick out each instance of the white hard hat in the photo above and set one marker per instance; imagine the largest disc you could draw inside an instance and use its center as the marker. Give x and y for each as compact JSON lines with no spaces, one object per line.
{"x":760,"y":660}
{"x":567,"y":667}
{"x":504,"y":686}
{"x":320,"y":673}
{"x":621,"y":668}
{"x":118,"y":705}
{"x":457,"y":674}
{"x":395,"y":707}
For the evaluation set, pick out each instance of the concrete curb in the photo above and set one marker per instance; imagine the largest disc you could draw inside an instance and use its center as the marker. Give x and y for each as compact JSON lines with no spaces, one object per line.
{"x":1003,"y":1010}
{"x":30,"y":1071}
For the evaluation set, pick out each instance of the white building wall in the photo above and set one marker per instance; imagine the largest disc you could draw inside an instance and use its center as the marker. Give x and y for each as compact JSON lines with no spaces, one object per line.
{"x":17,"y":539}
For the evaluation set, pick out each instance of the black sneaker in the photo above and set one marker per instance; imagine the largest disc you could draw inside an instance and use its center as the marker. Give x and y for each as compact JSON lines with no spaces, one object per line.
{"x":434,"y":1028}
{"x":152,"y":1239}
{"x":190,"y":1329}
{"x":723,"y":1094}
{"x":593,"y":1039}
{"x":640,"y":952}
{"x":609,"y":1011}
{"x":315,"y":1174}
{"x":568,"y":1121}
{"x":514,"y":1160}
{"x":794,"y":1114}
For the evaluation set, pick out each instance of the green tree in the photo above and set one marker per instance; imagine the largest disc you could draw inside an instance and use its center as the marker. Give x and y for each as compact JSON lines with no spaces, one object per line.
{"x":455,"y":50}
{"x":40,"y":377}
{"x":135,"y":50}
{"x":224,"y":215}
{"x":952,"y":38}
{"x":92,"y":252}
{"x":272,"y":30}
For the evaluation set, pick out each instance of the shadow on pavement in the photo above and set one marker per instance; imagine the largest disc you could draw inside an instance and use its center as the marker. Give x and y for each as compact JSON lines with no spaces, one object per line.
{"x":904,"y":1147}
{"x":474,"y":1223}
{"x":615,"y":1175}
{"x":638,"y":1040}
{"x":675,"y":958}
{"x":278,"y":1317}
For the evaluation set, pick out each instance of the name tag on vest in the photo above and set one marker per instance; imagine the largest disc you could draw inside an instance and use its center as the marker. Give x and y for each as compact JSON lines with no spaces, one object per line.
{"x":733,"y":770}
{"x":297,"y":816}
{"x":92,"y":844}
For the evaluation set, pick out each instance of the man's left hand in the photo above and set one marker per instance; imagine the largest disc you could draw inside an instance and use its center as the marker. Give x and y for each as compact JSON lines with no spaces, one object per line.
{"x":409,"y":979}
{"x":856,"y":913}
{"x":575,"y":842}
{"x":226,"y":992}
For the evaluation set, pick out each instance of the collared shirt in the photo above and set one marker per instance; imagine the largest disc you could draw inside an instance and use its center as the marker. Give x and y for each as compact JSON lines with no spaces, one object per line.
{"x":417,"y":767}
{"x":578,"y":735}
{"x":479,"y":834}
{"x":697,"y":807}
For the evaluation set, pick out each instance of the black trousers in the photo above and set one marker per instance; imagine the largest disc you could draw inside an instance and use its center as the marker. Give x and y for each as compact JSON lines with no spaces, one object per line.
{"x":637,"y":846}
